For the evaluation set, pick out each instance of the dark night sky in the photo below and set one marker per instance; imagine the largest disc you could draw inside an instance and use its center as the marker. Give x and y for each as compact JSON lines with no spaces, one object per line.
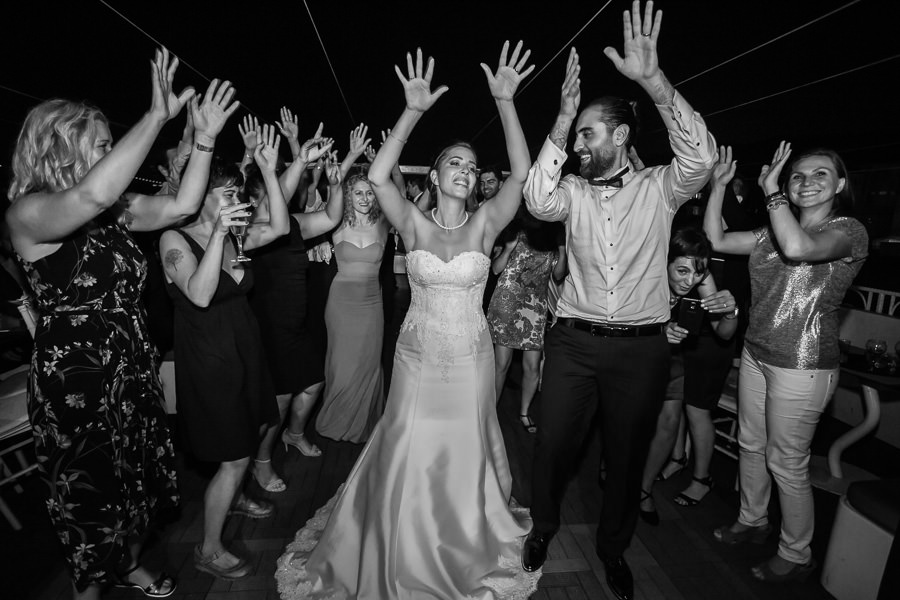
{"x":81,"y":49}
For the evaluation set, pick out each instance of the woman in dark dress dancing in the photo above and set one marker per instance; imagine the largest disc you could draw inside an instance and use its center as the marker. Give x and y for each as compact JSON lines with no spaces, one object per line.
{"x":279,"y":299}
{"x":225,"y":395}
{"x":95,"y":402}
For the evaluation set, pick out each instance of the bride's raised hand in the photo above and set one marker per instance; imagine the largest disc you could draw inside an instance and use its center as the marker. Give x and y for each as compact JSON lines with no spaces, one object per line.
{"x":417,"y":83}
{"x":510,"y":72}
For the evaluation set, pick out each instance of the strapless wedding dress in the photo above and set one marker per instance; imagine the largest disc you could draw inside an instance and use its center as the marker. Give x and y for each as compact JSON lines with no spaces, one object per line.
{"x":425,"y":512}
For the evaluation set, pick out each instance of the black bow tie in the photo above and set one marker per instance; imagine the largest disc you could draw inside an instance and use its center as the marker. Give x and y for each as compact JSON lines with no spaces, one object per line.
{"x":615,"y":181}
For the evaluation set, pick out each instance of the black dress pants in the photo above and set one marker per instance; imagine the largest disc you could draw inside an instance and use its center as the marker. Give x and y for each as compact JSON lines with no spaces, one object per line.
{"x":625,"y":379}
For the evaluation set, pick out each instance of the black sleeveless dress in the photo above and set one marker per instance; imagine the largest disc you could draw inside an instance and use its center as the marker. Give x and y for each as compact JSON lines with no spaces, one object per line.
{"x":95,"y":402}
{"x":223,"y":389}
{"x":279,"y":302}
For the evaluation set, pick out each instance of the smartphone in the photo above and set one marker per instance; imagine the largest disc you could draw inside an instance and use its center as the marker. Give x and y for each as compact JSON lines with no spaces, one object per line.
{"x":690,"y":315}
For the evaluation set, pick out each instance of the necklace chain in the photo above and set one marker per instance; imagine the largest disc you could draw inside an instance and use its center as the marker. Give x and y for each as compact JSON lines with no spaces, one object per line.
{"x":444,"y":227}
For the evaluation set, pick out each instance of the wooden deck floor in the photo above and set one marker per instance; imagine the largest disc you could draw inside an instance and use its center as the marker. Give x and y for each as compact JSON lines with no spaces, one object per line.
{"x":679,"y":559}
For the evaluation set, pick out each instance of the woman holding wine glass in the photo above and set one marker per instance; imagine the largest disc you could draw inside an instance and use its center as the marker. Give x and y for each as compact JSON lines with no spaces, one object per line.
{"x":225,"y":395}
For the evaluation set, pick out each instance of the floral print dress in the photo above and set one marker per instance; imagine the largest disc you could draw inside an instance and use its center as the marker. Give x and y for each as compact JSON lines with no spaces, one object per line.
{"x":517,"y":314}
{"x":95,"y":401}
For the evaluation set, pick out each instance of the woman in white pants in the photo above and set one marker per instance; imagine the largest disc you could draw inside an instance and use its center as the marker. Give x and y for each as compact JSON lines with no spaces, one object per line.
{"x":801,"y":265}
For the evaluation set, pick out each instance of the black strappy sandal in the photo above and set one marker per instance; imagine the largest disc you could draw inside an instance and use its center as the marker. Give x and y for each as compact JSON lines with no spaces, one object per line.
{"x":527,"y":424}
{"x":163,"y":587}
{"x":683,"y":499}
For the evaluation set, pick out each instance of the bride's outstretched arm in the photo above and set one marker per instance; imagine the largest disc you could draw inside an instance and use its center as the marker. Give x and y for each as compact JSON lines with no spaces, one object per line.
{"x":511,"y":70}
{"x":419,"y":98}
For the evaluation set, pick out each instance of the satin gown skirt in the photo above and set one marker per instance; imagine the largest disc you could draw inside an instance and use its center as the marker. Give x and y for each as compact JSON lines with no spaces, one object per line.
{"x":425,"y":511}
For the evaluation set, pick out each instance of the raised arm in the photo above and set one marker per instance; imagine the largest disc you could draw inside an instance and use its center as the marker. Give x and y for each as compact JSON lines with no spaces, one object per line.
{"x":42,"y":217}
{"x":322,"y":221}
{"x":692,"y":144}
{"x":311,"y":150}
{"x":358,"y":144}
{"x":544,"y":196}
{"x":734,"y":242}
{"x":511,"y":70}
{"x":150,"y":213}
{"x":419,"y":98}
{"x":797,"y":243}
{"x":266,"y":157}
{"x":248,"y":128}
{"x":174,"y":168}
{"x":198,"y":280}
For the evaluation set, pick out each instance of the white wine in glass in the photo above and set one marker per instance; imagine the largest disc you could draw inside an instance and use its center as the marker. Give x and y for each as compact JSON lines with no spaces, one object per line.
{"x":239,"y":231}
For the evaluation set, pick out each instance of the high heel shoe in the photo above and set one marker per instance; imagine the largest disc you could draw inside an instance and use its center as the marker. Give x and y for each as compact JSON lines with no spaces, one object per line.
{"x":274,"y":485}
{"x":680,"y":462}
{"x":296,"y":440}
{"x":683,"y":499}
{"x":650,"y":517}
{"x":754,"y":535}
{"x":527,"y":424}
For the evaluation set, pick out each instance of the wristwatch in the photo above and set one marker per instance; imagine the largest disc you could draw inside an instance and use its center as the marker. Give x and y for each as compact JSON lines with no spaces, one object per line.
{"x":733,"y":315}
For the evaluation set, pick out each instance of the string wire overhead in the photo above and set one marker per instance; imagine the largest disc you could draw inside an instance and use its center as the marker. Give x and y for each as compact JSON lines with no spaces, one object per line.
{"x":330,"y":66}
{"x":764,"y":44}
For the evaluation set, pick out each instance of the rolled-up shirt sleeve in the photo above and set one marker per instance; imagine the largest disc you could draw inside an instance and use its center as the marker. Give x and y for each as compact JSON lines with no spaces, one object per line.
{"x":694,"y":148}
{"x":546,"y":197}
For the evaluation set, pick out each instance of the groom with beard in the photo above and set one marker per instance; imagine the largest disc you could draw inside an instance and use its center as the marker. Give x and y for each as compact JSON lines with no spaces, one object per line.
{"x":608,"y":351}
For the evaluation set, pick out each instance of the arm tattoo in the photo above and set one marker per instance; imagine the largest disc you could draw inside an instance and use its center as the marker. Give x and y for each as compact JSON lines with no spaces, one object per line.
{"x":173,"y":257}
{"x":664,"y":93}
{"x":560,"y":133}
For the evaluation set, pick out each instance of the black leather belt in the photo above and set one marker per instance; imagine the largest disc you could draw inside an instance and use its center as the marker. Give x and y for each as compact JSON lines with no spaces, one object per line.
{"x":603,"y":330}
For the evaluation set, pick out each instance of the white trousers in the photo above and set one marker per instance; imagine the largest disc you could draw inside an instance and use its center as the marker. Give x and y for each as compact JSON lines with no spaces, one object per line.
{"x":778,"y":410}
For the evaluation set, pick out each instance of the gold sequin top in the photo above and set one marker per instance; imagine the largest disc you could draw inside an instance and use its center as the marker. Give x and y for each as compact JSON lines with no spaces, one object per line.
{"x":793,"y":314}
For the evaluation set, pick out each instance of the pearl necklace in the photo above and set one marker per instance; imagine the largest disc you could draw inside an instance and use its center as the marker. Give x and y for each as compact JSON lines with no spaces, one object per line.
{"x":444,"y":227}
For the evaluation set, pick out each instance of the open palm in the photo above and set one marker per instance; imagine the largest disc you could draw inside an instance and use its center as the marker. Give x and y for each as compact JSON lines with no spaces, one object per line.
{"x":510,"y":72}
{"x":417,"y":84}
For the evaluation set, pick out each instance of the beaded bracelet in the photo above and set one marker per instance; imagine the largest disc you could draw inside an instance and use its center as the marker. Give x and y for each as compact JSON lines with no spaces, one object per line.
{"x":775,"y":200}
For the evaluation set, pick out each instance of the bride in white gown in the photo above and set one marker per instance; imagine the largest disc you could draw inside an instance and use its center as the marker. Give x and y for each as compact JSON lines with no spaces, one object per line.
{"x":425,"y":512}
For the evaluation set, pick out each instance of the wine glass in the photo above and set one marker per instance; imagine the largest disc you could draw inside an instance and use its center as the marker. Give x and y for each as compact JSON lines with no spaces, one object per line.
{"x":239,"y":231}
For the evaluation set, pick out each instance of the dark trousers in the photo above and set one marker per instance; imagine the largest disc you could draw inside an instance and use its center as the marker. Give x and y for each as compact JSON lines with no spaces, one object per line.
{"x":625,"y":379}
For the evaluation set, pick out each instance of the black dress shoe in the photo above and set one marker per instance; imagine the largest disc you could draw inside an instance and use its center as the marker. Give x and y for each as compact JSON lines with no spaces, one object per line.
{"x":534,"y":553}
{"x":618,"y":577}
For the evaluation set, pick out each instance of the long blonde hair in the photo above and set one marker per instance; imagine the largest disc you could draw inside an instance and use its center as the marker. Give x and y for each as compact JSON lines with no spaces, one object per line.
{"x":350,"y":217}
{"x":54,"y":148}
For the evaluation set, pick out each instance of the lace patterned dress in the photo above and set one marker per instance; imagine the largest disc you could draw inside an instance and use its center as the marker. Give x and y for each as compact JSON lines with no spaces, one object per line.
{"x":425,"y":512}
{"x":517,"y":314}
{"x":95,"y":401}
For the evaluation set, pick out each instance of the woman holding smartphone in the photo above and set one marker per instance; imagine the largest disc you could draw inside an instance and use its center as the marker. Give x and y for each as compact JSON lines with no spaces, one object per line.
{"x":702,"y":319}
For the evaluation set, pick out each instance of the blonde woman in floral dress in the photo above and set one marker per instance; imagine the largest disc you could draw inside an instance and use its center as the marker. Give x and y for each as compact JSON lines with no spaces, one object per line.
{"x":95,"y":401}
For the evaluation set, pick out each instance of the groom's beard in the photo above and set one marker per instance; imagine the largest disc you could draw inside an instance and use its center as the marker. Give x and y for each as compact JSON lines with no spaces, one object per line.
{"x":602,"y":161}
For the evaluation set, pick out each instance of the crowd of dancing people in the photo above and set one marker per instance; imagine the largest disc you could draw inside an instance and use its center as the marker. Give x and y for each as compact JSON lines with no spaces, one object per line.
{"x":611,"y":303}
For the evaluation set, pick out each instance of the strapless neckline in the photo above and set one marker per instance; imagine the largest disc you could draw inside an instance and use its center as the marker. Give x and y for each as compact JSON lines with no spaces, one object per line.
{"x":447,"y":262}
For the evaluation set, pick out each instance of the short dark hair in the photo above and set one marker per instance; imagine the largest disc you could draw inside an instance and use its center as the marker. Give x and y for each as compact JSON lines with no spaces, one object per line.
{"x":618,"y":111}
{"x":495,"y":169}
{"x":692,"y":242}
{"x":222,"y":173}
